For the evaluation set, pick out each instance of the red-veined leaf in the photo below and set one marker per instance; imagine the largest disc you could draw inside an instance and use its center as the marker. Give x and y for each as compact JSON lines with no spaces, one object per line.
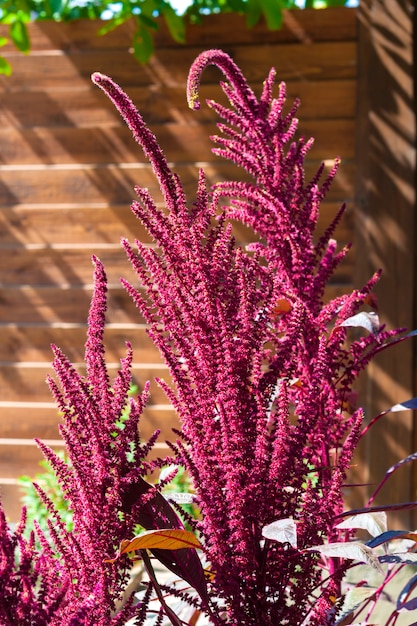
{"x":283,"y":530}
{"x":408,"y":459}
{"x":368,"y":321}
{"x":407,"y":405}
{"x":353,"y":600}
{"x":180,"y":497}
{"x":355,"y":551}
{"x":153,"y":512}
{"x":282,"y":305}
{"x":374,"y":523}
{"x":163,"y":539}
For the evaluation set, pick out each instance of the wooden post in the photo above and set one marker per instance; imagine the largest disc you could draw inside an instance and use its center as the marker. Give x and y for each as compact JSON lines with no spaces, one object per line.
{"x":386,"y":232}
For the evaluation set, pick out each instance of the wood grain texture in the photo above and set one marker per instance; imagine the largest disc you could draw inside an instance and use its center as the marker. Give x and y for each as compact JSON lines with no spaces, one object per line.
{"x":337,"y":24}
{"x":386,"y":230}
{"x":23,"y":224}
{"x":182,"y":143}
{"x":161,"y":103}
{"x":68,"y":168}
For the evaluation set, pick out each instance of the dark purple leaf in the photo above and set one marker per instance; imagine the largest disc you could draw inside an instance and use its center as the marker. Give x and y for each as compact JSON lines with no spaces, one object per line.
{"x":401,"y":506}
{"x":154,"y":512}
{"x":411,"y":457}
{"x":407,"y":589}
{"x":389,"y":535}
{"x":411,"y":605}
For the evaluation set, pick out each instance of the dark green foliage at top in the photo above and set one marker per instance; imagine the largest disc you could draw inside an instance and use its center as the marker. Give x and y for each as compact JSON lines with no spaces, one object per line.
{"x":17,"y":13}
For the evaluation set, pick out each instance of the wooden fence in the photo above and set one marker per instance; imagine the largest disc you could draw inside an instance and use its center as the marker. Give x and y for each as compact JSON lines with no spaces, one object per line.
{"x":68,"y":167}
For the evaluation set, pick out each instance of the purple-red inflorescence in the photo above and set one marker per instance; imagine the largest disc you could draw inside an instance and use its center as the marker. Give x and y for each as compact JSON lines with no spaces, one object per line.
{"x":262,"y":374}
{"x":262,"y":380}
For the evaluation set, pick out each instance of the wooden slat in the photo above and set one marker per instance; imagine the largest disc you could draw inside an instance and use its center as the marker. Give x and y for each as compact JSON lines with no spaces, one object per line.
{"x":57,"y":70}
{"x":46,"y":309}
{"x":107,"y":224}
{"x":180,"y":142}
{"x":386,"y":232}
{"x":55,"y":304}
{"x":46,"y":266}
{"x":114,"y":185}
{"x":92,"y":224}
{"x":68,"y":168}
{"x":42,"y":423}
{"x":299,"y":26}
{"x":27,"y":381}
{"x":32,"y":343}
{"x":161,"y":104}
{"x":10,"y":495}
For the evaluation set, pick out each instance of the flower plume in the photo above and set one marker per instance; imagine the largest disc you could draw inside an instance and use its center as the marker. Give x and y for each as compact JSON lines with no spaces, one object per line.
{"x":260,"y":366}
{"x":263,"y":377}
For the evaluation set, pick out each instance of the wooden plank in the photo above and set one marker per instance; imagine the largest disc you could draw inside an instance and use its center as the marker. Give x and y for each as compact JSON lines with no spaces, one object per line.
{"x":30,"y":422}
{"x":106,"y":224}
{"x":31,"y":224}
{"x":386,"y":232}
{"x":10,"y":495}
{"x":57,"y":70}
{"x":22,"y":458}
{"x":51,"y":185}
{"x":161,"y":104}
{"x":50,"y":308}
{"x":215,"y":30}
{"x":180,"y":142}
{"x":53,"y":304}
{"x":25,"y":382}
{"x":32,"y":342}
{"x":25,"y":461}
{"x":48,"y":265}
{"x":51,"y":266}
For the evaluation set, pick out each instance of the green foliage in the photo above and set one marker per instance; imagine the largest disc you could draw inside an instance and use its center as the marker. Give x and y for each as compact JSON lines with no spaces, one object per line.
{"x":49,"y":483}
{"x":17,"y":13}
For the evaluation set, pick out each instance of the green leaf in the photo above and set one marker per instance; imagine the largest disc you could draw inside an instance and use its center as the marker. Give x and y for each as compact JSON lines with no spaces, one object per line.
{"x":175,"y":24}
{"x":55,"y":7}
{"x":148,"y":21}
{"x":5,"y":67}
{"x":3,"y":41}
{"x":111,"y":25}
{"x":253,"y":13}
{"x":142,"y":45}
{"x":20,"y":36}
{"x":272,"y":10}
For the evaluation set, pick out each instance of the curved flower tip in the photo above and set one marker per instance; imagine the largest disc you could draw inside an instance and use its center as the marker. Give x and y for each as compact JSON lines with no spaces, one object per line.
{"x":225,"y":63}
{"x":97,"y":77}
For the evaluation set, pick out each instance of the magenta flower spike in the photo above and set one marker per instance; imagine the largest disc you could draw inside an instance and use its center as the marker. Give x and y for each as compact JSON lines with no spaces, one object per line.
{"x":261,"y":371}
{"x":262,"y":380}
